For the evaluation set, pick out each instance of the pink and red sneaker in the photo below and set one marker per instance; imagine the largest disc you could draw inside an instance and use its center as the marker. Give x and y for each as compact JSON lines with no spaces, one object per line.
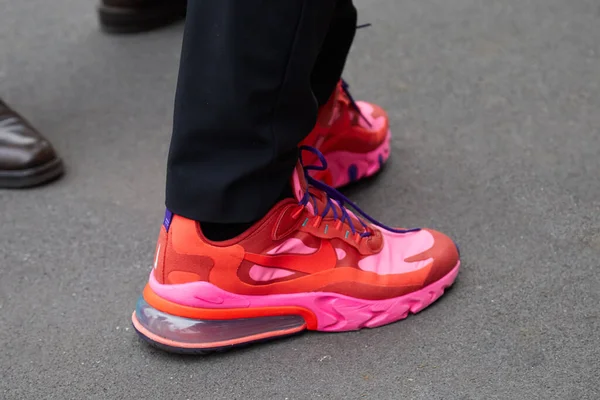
{"x":314,"y":262}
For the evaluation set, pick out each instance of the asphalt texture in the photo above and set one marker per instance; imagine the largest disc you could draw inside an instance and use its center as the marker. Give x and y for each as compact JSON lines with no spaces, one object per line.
{"x":495,"y":111}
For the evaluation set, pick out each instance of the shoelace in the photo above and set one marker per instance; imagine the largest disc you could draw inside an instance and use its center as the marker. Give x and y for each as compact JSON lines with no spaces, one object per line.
{"x":334,"y":197}
{"x":346,"y":89}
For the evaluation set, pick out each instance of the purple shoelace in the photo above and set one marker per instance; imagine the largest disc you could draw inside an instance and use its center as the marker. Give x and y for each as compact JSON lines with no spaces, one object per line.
{"x":334,"y":197}
{"x":346,"y":89}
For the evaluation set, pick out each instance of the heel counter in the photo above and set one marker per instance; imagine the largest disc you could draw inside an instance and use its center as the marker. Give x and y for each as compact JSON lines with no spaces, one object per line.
{"x":186,"y":257}
{"x":160,"y":252}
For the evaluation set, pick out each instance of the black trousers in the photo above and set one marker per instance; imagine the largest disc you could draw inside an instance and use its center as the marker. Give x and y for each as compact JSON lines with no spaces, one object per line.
{"x":252,"y":76}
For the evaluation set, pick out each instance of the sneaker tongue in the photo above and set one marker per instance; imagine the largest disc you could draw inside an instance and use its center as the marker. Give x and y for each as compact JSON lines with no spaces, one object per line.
{"x":328,"y":114}
{"x":330,"y":111}
{"x":300,"y":186}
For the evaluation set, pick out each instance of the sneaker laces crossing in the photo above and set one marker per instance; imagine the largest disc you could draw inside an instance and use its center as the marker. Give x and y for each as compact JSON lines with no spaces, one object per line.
{"x":346,"y":89}
{"x":335,"y":198}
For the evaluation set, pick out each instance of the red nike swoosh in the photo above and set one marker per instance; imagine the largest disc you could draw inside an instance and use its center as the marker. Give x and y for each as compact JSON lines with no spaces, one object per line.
{"x":321,"y":260}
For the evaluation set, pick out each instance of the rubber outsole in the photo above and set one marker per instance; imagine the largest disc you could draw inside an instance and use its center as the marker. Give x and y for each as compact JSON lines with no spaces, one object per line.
{"x":31,"y":177}
{"x":189,"y":327}
{"x":134,"y":20}
{"x":157,"y":343}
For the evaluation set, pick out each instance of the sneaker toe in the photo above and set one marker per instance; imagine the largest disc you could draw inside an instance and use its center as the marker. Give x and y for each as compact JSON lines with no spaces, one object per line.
{"x":443,"y":253}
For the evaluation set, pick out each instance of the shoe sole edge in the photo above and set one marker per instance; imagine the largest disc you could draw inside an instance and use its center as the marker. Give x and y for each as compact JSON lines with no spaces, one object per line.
{"x":129,"y":20}
{"x":32,"y":177}
{"x":354,"y":314}
{"x":180,"y":347}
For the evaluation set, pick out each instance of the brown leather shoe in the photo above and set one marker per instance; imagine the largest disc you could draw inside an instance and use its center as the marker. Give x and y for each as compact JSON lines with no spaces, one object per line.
{"x":131,"y":16}
{"x":26,"y":158}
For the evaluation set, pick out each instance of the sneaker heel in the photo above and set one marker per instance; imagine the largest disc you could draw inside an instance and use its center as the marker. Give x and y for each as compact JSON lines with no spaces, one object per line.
{"x":185,"y":335}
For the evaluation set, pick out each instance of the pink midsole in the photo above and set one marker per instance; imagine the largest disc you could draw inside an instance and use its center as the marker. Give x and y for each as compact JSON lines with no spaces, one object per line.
{"x":367,"y":164}
{"x":334,"y":312}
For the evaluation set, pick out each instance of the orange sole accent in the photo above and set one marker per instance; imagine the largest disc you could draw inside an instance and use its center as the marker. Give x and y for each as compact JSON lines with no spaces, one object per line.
{"x":212,"y":345}
{"x":226,"y":313}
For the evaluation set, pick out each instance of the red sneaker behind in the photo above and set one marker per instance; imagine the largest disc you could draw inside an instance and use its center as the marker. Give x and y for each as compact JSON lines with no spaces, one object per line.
{"x":353,"y":136}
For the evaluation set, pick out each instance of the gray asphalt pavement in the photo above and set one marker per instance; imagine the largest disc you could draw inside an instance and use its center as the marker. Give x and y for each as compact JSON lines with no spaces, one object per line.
{"x":495,"y":110}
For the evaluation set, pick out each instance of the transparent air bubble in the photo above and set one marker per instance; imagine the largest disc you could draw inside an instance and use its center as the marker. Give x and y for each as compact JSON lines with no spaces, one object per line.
{"x":219,"y":332}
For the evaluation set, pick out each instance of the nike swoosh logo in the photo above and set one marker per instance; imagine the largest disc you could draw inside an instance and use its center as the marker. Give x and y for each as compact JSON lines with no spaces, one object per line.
{"x":323,"y":259}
